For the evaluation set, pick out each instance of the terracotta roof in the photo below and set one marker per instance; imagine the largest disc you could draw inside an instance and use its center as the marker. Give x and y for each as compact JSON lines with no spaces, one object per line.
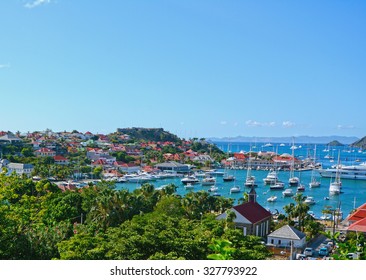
{"x":45,"y":150}
{"x":57,"y":158}
{"x":358,"y":226}
{"x":253,"y":211}
{"x":359,"y":214}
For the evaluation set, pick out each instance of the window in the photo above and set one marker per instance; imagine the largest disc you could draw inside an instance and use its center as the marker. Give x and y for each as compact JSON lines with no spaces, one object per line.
{"x":279,"y":242}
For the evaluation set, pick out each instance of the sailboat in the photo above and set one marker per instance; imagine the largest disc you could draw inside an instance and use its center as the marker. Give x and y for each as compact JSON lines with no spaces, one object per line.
{"x":314,"y":183}
{"x":293,"y":181}
{"x":276,"y":184}
{"x":335,"y":186}
{"x":228,"y":177}
{"x":250,"y":179}
{"x":235,"y":189}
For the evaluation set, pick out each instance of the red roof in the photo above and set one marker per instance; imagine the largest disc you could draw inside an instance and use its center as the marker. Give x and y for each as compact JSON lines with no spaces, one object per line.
{"x":239,"y":156}
{"x":59,"y":158}
{"x":44,"y":150}
{"x":253,"y":211}
{"x":359,"y":214}
{"x":358,"y":226}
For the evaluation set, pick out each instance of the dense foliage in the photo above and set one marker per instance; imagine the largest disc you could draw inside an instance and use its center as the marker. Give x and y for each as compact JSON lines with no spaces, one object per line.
{"x":99,"y":222}
{"x":149,"y":134}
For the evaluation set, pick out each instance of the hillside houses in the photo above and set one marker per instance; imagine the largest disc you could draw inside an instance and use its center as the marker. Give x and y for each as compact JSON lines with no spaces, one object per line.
{"x":75,"y":151}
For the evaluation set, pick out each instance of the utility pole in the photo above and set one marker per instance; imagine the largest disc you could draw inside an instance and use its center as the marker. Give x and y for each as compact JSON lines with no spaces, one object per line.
{"x":291,"y":250}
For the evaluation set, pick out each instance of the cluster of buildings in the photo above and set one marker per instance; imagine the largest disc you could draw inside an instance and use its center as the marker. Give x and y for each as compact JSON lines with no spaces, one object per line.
{"x":101,"y":151}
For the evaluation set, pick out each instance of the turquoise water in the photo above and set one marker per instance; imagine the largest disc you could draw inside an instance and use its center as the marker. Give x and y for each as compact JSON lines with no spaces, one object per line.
{"x":353,"y":191}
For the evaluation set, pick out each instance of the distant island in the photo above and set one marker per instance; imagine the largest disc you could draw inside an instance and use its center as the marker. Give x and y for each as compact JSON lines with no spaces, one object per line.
{"x":346,"y":140}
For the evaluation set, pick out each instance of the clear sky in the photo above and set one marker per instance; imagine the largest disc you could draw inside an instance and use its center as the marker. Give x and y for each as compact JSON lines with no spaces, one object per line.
{"x":207,"y":68}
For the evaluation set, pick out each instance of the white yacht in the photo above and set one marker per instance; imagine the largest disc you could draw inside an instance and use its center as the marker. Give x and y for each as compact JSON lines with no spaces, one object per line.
{"x":189,"y":179}
{"x":250,"y":182}
{"x":287,"y":193}
{"x":208,"y":181}
{"x":309,"y":200}
{"x":189,"y":186}
{"x":271,"y":178}
{"x":355,"y":172}
{"x":277,"y":186}
{"x":272,"y":198}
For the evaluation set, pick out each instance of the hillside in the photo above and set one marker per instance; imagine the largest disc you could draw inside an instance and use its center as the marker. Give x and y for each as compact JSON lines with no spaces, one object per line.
{"x":360,"y":143}
{"x":149,"y":134}
{"x":335,"y":143}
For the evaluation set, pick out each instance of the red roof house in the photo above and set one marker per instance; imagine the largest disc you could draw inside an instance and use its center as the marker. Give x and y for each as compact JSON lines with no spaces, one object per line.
{"x":359,"y":226}
{"x":251,"y":217}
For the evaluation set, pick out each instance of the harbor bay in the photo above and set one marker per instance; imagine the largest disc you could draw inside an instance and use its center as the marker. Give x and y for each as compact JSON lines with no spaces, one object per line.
{"x":353,"y":192}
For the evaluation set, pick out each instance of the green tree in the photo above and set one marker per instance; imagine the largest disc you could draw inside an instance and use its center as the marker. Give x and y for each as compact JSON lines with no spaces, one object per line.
{"x":222,"y":250}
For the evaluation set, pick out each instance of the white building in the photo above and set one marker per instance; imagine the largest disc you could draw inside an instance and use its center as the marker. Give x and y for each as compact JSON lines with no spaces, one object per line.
{"x":283,"y":237}
{"x":20,"y":168}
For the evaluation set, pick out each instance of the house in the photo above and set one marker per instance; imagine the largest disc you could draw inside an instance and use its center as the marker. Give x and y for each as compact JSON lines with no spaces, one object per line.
{"x":357,"y":220}
{"x":61,"y":160}
{"x":20,"y":168}
{"x":359,"y":226}
{"x":127,"y":167}
{"x":251,"y":217}
{"x":173,"y":166}
{"x":202,"y":159}
{"x":45,"y":152}
{"x":357,"y":215}
{"x":10,"y":138}
{"x":284,"y":236}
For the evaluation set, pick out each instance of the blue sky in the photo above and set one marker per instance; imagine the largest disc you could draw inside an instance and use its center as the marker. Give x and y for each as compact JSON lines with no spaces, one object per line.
{"x":196,"y":68}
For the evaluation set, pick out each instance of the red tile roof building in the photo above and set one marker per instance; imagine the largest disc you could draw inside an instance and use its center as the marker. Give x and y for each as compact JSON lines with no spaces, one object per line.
{"x":251,"y":217}
{"x":45,"y":152}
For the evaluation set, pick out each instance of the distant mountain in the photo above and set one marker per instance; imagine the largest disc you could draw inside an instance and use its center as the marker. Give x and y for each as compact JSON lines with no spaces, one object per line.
{"x":299,"y":139}
{"x":335,"y":143}
{"x":360,"y":143}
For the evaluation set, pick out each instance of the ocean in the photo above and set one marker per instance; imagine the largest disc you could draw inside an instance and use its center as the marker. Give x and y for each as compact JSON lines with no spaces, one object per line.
{"x":353,"y":191}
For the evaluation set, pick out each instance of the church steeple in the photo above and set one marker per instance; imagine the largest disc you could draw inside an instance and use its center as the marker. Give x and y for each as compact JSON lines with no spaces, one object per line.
{"x":252,"y":196}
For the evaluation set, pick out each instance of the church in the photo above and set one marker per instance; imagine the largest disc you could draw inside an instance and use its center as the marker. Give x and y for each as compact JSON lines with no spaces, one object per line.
{"x":251,"y":217}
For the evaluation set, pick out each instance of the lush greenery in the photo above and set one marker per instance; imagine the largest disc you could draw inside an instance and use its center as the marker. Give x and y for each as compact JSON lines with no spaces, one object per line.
{"x":149,"y":134}
{"x":39,"y":221}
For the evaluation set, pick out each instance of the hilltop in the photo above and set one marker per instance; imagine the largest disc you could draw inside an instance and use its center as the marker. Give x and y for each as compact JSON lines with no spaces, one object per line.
{"x":360,"y":143}
{"x":335,"y":143}
{"x":149,"y":134}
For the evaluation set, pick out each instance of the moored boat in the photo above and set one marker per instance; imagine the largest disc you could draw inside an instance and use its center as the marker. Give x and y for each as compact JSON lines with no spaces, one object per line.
{"x":208,"y":181}
{"x":335,"y":186}
{"x":353,"y":172}
{"x":277,"y":186}
{"x":189,"y":186}
{"x":235,"y":189}
{"x":190,"y":179}
{"x":309,"y":200}
{"x":287,"y":193}
{"x":272,"y":198}
{"x":271,"y":178}
{"x":228,"y":178}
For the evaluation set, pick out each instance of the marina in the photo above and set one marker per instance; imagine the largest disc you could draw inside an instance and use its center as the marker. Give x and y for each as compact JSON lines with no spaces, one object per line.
{"x":352,"y":195}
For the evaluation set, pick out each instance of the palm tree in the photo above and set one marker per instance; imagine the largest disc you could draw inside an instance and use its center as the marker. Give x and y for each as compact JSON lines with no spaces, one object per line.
{"x":301,"y":208}
{"x":290,"y":211}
